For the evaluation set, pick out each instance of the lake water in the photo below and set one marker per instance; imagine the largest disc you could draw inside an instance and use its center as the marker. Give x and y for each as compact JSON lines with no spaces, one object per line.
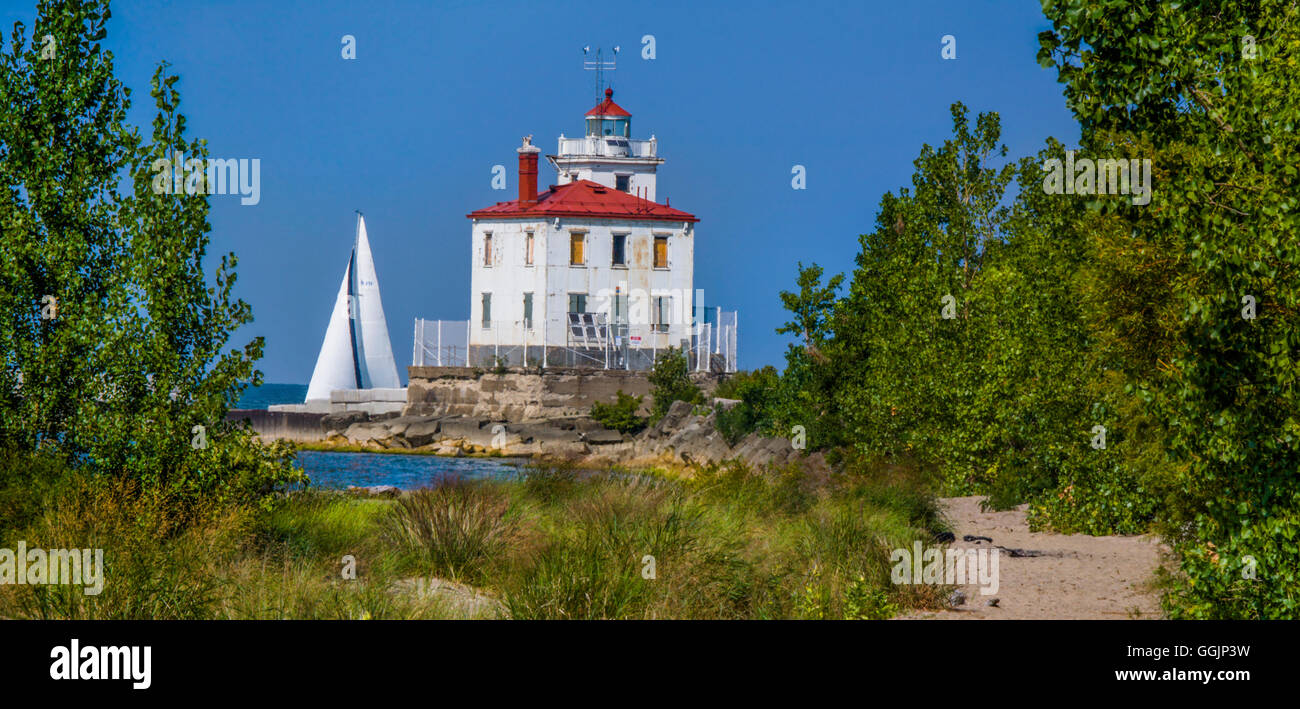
{"x":339,"y":470}
{"x":268,"y":394}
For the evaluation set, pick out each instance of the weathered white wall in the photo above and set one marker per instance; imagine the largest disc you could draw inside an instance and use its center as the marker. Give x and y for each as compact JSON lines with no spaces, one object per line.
{"x":641,"y":175}
{"x":509,"y":277}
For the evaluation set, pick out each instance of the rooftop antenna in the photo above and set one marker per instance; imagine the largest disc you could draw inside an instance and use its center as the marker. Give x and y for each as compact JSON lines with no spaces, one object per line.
{"x":599,"y":65}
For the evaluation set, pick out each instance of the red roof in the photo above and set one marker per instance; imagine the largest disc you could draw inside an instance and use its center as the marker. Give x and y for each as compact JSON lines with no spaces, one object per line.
{"x":584,"y":198}
{"x":608,"y":107}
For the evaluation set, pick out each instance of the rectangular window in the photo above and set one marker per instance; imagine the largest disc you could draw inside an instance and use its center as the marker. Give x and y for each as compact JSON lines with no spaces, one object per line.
{"x":487,"y":249}
{"x":487,"y":310}
{"x":663,"y":305}
{"x":622,"y":183}
{"x":577,"y":249}
{"x":528,"y":248}
{"x":620,"y":250}
{"x":661,"y":252}
{"x":528,"y":311}
{"x":577,"y":302}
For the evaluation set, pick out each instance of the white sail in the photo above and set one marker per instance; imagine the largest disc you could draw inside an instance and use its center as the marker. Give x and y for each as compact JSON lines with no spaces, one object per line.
{"x":356,"y":353}
{"x":374,"y":351}
{"x":336,"y":366}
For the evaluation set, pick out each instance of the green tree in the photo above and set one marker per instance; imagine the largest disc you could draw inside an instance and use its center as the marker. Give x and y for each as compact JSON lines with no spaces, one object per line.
{"x":908,"y":337}
{"x":1208,"y":92}
{"x":118,"y":375}
{"x":807,"y":387}
{"x":811,"y":307}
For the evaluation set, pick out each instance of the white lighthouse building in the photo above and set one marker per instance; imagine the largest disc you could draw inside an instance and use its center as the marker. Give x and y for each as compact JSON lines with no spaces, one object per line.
{"x":592,"y":271}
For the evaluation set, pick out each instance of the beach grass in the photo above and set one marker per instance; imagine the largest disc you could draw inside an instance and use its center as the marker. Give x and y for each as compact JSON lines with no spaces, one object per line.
{"x":727,"y":542}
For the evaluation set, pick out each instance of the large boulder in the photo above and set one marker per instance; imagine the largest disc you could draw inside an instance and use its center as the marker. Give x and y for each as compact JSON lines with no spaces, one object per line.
{"x":547,"y":432}
{"x":565,"y":449}
{"x":423,"y":432}
{"x":678,"y":412}
{"x":341,"y":420}
{"x":602,"y":437}
{"x":462,"y":427}
{"x":398,"y":426}
{"x":363,"y":433}
{"x":374,"y":491}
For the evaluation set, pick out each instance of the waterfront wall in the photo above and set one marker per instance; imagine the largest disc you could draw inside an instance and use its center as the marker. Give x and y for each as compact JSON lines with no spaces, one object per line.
{"x":296,"y":426}
{"x":525,"y":394}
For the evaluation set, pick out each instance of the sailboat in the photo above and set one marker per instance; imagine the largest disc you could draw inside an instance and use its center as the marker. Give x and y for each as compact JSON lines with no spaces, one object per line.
{"x":356,"y":353}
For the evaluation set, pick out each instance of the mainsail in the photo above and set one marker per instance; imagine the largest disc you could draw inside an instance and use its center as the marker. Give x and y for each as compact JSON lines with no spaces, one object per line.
{"x":374,"y":349}
{"x":356,"y":353}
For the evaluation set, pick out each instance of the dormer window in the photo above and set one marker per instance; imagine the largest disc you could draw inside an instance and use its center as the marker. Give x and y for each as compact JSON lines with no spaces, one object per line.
{"x":623,"y":183}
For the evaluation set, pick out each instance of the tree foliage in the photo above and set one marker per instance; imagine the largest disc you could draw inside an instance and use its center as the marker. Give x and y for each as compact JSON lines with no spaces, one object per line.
{"x":112,"y":331}
{"x":1210,"y":91}
{"x":1122,"y":366}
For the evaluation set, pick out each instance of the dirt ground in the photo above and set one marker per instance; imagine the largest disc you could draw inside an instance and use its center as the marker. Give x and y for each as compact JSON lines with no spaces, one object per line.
{"x":1052,"y":575}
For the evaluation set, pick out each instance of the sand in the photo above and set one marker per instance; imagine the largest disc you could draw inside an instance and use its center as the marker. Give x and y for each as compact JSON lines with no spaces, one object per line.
{"x":1075,"y":577}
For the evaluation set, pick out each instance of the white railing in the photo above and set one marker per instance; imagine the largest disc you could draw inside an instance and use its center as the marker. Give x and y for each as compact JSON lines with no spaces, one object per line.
{"x":607,"y":146}
{"x":552,"y":343}
{"x":441,"y":343}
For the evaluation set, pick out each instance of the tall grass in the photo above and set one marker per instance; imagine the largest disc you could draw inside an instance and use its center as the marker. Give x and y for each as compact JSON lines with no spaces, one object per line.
{"x":457,"y":525}
{"x":729,"y":542}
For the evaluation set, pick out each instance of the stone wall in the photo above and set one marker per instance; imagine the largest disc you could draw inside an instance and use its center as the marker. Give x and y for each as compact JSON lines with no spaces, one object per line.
{"x":524,"y":394}
{"x":684,"y":438}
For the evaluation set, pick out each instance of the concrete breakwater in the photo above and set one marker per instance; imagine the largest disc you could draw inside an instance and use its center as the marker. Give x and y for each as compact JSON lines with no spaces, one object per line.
{"x":298,"y":427}
{"x":526,"y":394}
{"x":684,"y":437}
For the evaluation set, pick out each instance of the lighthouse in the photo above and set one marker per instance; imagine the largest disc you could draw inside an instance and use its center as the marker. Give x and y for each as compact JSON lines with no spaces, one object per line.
{"x":608,"y":154}
{"x":593,"y":271}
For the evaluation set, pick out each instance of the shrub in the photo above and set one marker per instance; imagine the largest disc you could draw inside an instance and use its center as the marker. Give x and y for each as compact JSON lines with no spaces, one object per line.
{"x":758,"y":394}
{"x":621,"y":415}
{"x":671,"y":381}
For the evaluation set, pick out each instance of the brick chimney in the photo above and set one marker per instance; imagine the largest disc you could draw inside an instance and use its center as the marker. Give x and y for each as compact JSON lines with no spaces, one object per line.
{"x":528,"y":172}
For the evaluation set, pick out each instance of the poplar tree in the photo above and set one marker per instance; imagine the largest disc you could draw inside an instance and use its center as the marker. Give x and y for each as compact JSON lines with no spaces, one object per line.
{"x":1211,"y":90}
{"x":112,"y":331}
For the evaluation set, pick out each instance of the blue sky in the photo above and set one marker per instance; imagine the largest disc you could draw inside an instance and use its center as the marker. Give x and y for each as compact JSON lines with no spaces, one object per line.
{"x":408,"y":132}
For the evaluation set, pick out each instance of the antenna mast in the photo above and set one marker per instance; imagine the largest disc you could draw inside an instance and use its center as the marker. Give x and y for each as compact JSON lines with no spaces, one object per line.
{"x":599,"y":65}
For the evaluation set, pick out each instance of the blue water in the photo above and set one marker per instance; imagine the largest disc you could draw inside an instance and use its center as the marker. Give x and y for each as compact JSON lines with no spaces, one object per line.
{"x":338,"y":470}
{"x":268,"y":394}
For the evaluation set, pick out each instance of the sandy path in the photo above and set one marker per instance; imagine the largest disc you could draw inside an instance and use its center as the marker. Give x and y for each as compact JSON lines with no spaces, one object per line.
{"x":1076,"y":576}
